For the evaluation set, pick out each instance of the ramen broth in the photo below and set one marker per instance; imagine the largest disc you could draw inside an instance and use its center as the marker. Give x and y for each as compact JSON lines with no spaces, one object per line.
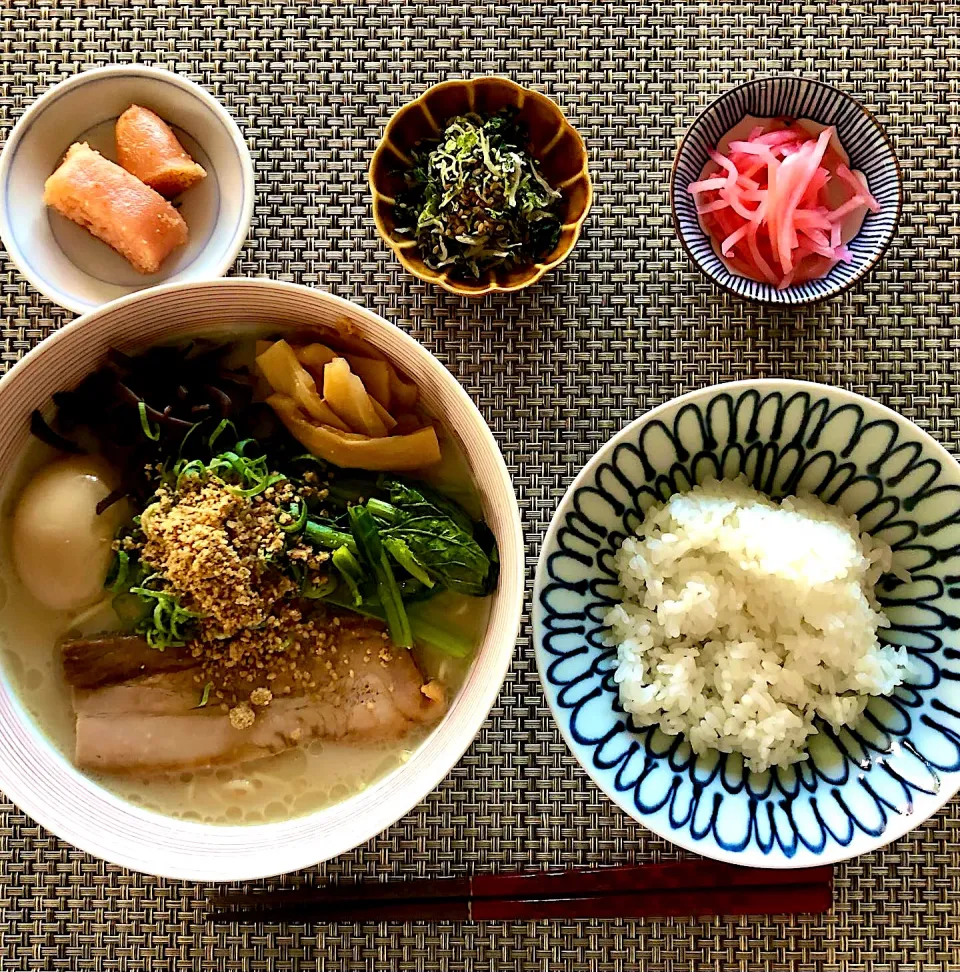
{"x":297,"y":781}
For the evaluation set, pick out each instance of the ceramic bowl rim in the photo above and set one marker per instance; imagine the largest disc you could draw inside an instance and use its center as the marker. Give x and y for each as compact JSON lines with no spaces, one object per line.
{"x":837,"y":289}
{"x":833,"y":853}
{"x":7,"y":154}
{"x":538,"y":270}
{"x":308,"y":851}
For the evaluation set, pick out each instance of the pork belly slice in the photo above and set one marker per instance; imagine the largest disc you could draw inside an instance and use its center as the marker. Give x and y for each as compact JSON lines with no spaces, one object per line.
{"x":152,"y":724}
{"x":103,"y":660}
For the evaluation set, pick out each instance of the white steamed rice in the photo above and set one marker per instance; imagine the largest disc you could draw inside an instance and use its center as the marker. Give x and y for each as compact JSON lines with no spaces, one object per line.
{"x":742,"y":619}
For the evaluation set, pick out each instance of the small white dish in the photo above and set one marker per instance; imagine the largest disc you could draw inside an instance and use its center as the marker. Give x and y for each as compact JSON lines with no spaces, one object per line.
{"x":65,"y":262}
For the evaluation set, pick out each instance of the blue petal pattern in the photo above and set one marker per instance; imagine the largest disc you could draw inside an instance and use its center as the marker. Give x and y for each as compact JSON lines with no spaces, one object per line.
{"x":857,"y":787}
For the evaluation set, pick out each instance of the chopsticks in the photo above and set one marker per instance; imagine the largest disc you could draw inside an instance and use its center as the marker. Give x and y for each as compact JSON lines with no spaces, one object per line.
{"x":676,"y":888}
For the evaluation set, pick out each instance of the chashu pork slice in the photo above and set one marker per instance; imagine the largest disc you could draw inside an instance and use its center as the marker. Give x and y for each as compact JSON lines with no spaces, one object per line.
{"x":91,"y":662}
{"x":153,"y":723}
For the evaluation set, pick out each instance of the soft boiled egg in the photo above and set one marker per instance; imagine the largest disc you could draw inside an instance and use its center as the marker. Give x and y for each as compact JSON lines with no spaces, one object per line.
{"x":61,"y":547}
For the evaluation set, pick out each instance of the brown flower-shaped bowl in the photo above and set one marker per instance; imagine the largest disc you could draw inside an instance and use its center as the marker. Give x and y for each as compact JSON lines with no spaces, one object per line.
{"x":554,"y":143}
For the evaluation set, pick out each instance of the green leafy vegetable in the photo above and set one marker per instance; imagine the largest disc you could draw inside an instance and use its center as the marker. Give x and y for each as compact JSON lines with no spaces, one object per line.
{"x":222,"y":426}
{"x":403,"y":555}
{"x":328,"y":537}
{"x":244,"y":475}
{"x":476,"y":199}
{"x":488,"y":543}
{"x":205,"y":696}
{"x":298,"y":517}
{"x":439,"y":543}
{"x":425,"y":632}
{"x":413,"y":591}
{"x":350,"y":570}
{"x":119,"y":577}
{"x":367,"y":537}
{"x":167,"y":624}
{"x":153,"y":434}
{"x":392,"y":543}
{"x":435,"y":498}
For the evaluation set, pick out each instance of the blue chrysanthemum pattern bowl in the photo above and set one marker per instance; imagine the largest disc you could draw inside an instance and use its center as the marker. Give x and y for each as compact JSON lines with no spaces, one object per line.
{"x":860,"y":788}
{"x":791,"y":96}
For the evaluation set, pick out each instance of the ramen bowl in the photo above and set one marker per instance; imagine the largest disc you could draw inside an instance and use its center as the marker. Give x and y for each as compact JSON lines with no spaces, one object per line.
{"x":859,"y":788}
{"x":41,"y":779}
{"x":554,"y":143}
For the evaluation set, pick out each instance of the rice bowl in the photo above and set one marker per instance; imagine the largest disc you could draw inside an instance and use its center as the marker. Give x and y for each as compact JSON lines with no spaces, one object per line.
{"x":860,"y":787}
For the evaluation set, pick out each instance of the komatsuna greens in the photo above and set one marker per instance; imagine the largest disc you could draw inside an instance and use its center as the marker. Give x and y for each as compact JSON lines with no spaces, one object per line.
{"x":476,"y":199}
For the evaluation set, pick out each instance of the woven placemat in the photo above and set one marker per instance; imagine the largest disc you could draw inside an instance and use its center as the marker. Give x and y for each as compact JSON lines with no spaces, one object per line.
{"x":624,"y":325}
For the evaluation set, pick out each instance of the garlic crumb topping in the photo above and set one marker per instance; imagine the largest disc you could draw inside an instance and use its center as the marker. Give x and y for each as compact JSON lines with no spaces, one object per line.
{"x":261,"y":696}
{"x":242,"y":716}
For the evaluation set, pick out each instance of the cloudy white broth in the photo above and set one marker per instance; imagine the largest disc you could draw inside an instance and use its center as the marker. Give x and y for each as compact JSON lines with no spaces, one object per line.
{"x":337,"y":684}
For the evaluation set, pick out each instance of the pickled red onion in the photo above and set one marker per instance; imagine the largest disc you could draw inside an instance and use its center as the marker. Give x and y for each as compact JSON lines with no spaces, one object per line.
{"x":734,"y":237}
{"x":705,"y":185}
{"x":858,"y":183}
{"x":725,"y":163}
{"x":782,"y":203}
{"x":848,"y":207}
{"x":796,"y":173}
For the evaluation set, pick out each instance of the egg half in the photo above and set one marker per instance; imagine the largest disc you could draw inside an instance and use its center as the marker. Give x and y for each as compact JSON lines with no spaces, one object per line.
{"x":61,"y":547}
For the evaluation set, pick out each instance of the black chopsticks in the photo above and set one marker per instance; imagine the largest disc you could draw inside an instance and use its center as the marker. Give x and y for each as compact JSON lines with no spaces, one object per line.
{"x":675,"y":888}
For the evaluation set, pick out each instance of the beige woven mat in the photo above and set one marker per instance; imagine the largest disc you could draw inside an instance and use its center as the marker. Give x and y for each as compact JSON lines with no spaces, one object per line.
{"x":623,"y":326}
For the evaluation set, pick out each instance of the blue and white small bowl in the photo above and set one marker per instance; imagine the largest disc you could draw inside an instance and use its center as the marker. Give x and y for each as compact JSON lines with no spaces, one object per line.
{"x":65,"y":262}
{"x":860,"y":788}
{"x":791,"y":96}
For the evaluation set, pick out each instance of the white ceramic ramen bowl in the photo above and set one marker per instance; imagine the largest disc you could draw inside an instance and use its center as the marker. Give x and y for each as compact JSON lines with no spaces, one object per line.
{"x":43,"y":782}
{"x":62,"y":260}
